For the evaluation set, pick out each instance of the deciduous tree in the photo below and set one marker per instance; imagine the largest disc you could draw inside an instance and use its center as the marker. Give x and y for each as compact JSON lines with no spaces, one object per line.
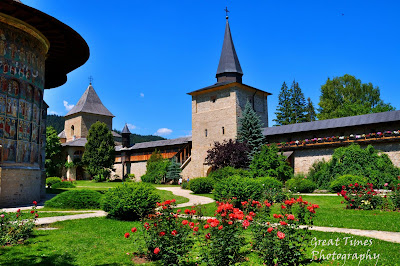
{"x":229,"y":153}
{"x":347,"y":96}
{"x":99,"y":155}
{"x":53,"y":160}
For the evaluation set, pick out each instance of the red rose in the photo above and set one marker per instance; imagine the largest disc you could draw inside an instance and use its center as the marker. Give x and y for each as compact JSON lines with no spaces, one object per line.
{"x":35,"y":202}
{"x":174,"y":232}
{"x":276,"y":216}
{"x":245,"y":223}
{"x":32,"y":211}
{"x":280,"y":235}
{"x":197,"y":229}
{"x":208,"y":236}
{"x":36,"y":215}
{"x":126,"y":235}
{"x":283,"y":223}
{"x":220,"y":227}
{"x":283,"y":207}
{"x":161,"y":234}
{"x":206,"y":226}
{"x":185,"y":222}
{"x":290,"y":217}
{"x":19,"y":210}
{"x":230,"y":222}
{"x":187,"y":211}
{"x":191,"y":224}
{"x":269,"y":230}
{"x":156,"y":251}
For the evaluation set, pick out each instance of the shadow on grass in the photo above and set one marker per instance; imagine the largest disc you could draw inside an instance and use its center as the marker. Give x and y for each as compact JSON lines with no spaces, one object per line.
{"x":51,"y":259}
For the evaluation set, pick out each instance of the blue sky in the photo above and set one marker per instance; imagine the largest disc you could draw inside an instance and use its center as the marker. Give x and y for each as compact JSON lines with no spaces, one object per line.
{"x":146,"y":55}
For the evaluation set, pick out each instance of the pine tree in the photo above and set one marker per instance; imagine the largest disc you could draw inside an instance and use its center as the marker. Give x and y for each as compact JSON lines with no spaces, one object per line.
{"x":310,"y":111}
{"x":173,"y":171}
{"x":284,"y":109}
{"x":250,"y":130}
{"x":298,"y":104}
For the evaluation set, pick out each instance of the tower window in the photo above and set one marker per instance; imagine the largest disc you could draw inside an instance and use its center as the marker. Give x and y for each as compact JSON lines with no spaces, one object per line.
{"x":213,"y":99}
{"x":223,"y":130}
{"x":72,"y":130}
{"x":206,"y":133}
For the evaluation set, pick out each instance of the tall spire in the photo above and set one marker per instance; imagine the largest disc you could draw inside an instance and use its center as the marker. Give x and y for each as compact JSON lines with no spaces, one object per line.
{"x":229,"y":67}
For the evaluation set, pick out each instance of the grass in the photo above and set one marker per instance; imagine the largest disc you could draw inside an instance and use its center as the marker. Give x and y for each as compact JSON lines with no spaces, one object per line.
{"x":333,"y":214}
{"x":100,"y":241}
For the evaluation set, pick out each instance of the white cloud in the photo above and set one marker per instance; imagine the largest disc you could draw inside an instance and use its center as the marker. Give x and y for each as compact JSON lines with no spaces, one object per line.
{"x":67,"y":106}
{"x":131,"y":127}
{"x":52,"y":112}
{"x":142,"y":94}
{"x":163,"y":132}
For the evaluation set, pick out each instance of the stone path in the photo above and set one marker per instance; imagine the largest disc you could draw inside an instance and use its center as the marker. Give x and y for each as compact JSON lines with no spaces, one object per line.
{"x":89,"y":214}
{"x":193,"y":199}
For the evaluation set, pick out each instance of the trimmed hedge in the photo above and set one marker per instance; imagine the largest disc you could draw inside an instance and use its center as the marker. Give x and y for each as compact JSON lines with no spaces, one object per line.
{"x":64,"y":184}
{"x":301,"y":184}
{"x":52,"y":180}
{"x":239,"y":187}
{"x":345,"y":180}
{"x":228,"y":172}
{"x":76,"y":199}
{"x":201,"y":185}
{"x":130,"y":201}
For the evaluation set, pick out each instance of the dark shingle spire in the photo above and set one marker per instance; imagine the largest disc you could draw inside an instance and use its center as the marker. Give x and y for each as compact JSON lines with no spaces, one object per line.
{"x":229,"y":67}
{"x":90,"y":103}
{"x":126,"y":129}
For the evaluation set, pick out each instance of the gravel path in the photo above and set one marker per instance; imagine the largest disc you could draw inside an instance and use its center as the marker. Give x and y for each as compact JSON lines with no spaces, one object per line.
{"x":193,"y":199}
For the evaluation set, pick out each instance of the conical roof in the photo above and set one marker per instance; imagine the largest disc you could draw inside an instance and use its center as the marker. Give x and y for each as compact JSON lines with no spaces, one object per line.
{"x":229,"y":61}
{"x":90,"y":103}
{"x":126,"y":129}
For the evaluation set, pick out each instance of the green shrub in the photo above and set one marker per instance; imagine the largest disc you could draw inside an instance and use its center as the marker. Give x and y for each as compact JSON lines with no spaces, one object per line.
{"x":239,"y":188}
{"x":270,"y":183}
{"x":375,"y":166}
{"x":156,"y":168}
{"x":130,"y":201}
{"x":52,"y":180}
{"x":185,"y":185}
{"x":64,"y":184}
{"x":227,"y":172}
{"x":345,"y":180}
{"x":270,"y":162}
{"x":201,"y":185}
{"x":319,"y":174}
{"x":76,"y":199}
{"x":300,"y":184}
{"x":395,"y":197}
{"x":147,"y":178}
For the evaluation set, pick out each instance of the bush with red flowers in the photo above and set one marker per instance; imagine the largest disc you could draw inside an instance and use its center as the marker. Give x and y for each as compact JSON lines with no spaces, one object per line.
{"x":280,"y":240}
{"x":167,"y":237}
{"x":395,"y":197}
{"x":223,"y":236}
{"x":16,"y":227}
{"x":362,"y":197}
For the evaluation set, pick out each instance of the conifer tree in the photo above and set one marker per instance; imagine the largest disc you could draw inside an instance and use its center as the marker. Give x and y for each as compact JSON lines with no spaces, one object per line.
{"x":310,"y":111}
{"x":284,"y":109}
{"x":173,"y":171}
{"x":298,"y":104}
{"x":250,"y":130}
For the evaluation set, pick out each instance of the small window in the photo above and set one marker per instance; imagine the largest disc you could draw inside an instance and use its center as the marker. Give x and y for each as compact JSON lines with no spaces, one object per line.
{"x":206,"y":133}
{"x":72,"y":130}
{"x":223,"y":130}
{"x":213,"y":99}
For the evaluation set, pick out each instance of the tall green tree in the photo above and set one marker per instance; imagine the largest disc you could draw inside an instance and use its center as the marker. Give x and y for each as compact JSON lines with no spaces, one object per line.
{"x":99,"y":155}
{"x":156,"y":168}
{"x":284,"y":109}
{"x":53,"y":162}
{"x":348,"y":96}
{"x":250,"y":130}
{"x":298,"y":104}
{"x":310,"y":111}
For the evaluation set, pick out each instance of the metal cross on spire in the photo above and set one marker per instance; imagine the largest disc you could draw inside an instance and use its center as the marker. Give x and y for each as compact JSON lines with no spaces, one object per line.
{"x":90,"y":80}
{"x":227,"y":11}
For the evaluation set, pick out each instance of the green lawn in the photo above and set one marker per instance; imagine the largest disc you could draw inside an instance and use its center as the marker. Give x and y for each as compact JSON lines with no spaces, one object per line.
{"x":100,"y":241}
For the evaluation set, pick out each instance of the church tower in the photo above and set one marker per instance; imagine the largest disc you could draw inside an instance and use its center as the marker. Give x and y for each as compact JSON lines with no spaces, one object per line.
{"x":126,"y":137}
{"x":84,"y":114}
{"x":216,"y":109}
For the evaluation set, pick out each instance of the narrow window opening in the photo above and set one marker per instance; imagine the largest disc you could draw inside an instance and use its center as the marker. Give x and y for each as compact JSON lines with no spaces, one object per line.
{"x":223,"y":130}
{"x":213,"y":99}
{"x":206,"y":133}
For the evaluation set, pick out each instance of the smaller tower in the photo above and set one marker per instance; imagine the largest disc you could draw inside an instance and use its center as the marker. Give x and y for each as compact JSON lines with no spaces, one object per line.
{"x":126,"y":137}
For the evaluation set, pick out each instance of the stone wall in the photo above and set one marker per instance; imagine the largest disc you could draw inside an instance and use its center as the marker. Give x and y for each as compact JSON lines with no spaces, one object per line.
{"x":81,"y":123}
{"x":304,"y":159}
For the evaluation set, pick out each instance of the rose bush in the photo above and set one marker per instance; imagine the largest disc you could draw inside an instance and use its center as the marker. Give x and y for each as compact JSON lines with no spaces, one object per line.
{"x":362,"y":197}
{"x":167,"y":237}
{"x":15,"y":227}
